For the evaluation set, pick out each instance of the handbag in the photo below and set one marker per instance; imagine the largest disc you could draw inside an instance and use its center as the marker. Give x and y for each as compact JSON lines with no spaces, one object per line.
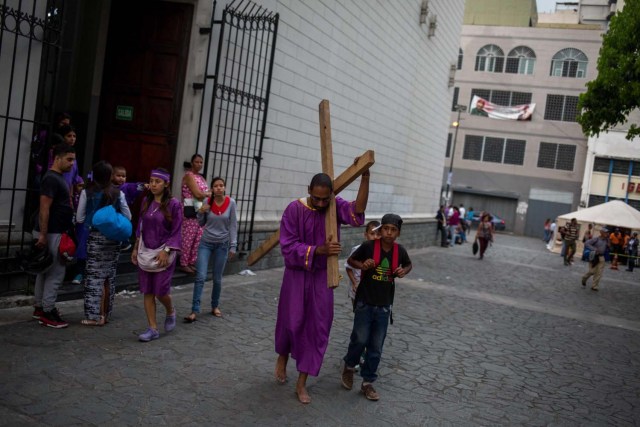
{"x":111,"y":223}
{"x":474,"y":247}
{"x":191,"y":207}
{"x":148,"y":258}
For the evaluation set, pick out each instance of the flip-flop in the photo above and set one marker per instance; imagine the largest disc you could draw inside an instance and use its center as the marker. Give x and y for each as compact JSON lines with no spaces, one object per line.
{"x":190,"y":319}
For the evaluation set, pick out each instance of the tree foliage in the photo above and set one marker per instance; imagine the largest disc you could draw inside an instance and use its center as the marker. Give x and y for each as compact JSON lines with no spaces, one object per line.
{"x":616,"y":91}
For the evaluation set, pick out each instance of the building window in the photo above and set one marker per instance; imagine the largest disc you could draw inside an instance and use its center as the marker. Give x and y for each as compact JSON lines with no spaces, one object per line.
{"x":490,"y":59}
{"x":561,"y":107}
{"x":456,"y":92}
{"x":494,"y":150}
{"x":556,"y":156}
{"x":448,"y":152}
{"x":514,"y":152}
{"x":502,"y":97}
{"x":569,"y":62}
{"x":472,"y":147}
{"x":520,"y":61}
{"x":460,"y":58}
{"x":600,"y":164}
{"x":596,"y":200}
{"x":620,"y":167}
{"x":636,"y":169}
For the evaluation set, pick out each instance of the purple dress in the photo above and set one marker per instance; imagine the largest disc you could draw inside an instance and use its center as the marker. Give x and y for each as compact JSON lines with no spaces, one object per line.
{"x":305,"y":309}
{"x":156,"y":231}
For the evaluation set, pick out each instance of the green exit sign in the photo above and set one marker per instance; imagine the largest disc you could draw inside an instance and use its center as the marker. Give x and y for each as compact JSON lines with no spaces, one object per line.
{"x":124,"y":112}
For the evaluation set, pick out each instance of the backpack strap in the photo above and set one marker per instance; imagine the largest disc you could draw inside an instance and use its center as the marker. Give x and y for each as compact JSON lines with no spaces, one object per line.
{"x":377,"y":255}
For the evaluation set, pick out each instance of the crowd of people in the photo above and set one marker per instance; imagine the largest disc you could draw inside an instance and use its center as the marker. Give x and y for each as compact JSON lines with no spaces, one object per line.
{"x":201,"y":225}
{"x":610,"y":244}
{"x":455,"y":222}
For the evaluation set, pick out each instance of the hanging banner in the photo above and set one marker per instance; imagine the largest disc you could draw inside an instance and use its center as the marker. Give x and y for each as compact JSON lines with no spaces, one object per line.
{"x":484,"y":108}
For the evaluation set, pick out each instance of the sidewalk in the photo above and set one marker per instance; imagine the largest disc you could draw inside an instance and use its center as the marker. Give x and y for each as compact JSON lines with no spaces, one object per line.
{"x":511,"y":340}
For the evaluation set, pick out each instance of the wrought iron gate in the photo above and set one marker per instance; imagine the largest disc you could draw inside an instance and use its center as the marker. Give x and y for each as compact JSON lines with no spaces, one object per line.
{"x":236,"y":99}
{"x":30,"y":44}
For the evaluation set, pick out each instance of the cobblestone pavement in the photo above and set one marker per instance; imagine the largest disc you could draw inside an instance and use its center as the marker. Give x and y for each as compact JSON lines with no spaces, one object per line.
{"x":511,"y":340}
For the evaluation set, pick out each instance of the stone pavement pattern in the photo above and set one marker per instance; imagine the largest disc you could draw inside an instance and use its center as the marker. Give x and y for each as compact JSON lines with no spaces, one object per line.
{"x":511,"y":340}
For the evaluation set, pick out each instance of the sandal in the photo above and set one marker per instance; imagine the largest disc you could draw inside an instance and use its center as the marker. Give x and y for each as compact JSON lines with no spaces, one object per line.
{"x":190,"y":318}
{"x":216,"y":312}
{"x":91,"y":322}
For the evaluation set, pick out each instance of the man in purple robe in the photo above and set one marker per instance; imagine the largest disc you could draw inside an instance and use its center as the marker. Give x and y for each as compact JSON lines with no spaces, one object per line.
{"x":305,"y":309}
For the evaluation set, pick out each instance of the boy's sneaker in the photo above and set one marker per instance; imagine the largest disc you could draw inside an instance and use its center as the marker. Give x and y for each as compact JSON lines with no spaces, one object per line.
{"x":369,"y":392}
{"x":38,"y":312}
{"x":347,"y":377}
{"x":149,"y":335}
{"x":52,"y":319}
{"x":77,"y":280}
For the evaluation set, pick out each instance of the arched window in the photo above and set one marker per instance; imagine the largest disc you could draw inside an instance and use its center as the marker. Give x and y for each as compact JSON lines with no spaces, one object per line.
{"x":490,"y":59}
{"x":520,"y":61}
{"x":569,"y":62}
{"x":460,"y":57}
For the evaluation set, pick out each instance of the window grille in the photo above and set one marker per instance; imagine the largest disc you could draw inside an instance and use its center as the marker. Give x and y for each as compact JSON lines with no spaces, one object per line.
{"x":556,"y":156}
{"x":561,"y":108}
{"x":472,"y":147}
{"x":490,"y":58}
{"x":514,"y":152}
{"x":569,"y":62}
{"x":493,"y":150}
{"x":600,"y":164}
{"x":456,"y":92}
{"x":520,"y":60}
{"x":501,"y":97}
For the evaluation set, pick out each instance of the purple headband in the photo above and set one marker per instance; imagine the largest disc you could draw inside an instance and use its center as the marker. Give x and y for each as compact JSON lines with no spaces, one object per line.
{"x":165,"y":176}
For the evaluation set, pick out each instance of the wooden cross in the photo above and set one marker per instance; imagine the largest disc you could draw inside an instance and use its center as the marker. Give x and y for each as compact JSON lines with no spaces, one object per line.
{"x":364,"y":162}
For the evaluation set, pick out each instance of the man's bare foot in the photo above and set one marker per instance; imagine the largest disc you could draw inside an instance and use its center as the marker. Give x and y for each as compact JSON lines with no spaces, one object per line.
{"x":301,"y":389}
{"x":281,"y":369}
{"x":303,"y":396}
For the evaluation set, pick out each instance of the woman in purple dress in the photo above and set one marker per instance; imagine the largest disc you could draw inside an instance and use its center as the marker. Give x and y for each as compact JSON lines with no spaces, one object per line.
{"x":159,"y":224}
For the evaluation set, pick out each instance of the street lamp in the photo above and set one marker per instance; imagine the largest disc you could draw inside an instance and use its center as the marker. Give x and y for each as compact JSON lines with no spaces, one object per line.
{"x":459,"y":108}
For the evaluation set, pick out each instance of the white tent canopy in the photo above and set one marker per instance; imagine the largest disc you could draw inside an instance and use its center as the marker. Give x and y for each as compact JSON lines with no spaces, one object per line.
{"x":615,"y":213}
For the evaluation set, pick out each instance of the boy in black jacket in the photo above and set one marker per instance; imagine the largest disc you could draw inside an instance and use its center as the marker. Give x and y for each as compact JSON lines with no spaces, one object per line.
{"x":380,"y":262}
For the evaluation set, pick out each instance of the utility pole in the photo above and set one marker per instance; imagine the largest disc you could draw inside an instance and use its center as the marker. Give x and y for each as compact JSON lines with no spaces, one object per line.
{"x":459,"y":108}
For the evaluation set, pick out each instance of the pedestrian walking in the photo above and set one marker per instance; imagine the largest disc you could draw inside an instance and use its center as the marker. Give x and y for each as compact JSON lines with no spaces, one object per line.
{"x":305,"y":307}
{"x":632,"y":251}
{"x":158,"y":232}
{"x":102,"y":253}
{"x":597,"y":247}
{"x":484,"y":233}
{"x":380,"y":261}
{"x":571,"y":232}
{"x":218,"y":218}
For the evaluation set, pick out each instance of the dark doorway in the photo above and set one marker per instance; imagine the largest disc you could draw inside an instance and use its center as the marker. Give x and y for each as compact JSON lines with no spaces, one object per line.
{"x":145,"y":64}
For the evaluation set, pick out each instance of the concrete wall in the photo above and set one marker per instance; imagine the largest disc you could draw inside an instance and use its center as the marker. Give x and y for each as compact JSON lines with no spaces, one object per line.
{"x":387,"y":83}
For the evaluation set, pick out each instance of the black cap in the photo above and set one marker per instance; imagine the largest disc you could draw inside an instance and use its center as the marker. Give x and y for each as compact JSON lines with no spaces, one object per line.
{"x":392,"y":219}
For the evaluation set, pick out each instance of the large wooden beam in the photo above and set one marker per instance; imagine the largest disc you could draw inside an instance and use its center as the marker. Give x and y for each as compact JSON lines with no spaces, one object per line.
{"x":331,"y":217}
{"x":365,"y":161}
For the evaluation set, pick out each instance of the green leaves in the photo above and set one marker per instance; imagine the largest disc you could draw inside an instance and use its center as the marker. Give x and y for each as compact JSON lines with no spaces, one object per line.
{"x":616,"y":91}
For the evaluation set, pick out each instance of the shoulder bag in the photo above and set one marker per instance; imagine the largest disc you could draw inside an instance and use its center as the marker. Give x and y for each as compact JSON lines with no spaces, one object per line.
{"x":148,"y":258}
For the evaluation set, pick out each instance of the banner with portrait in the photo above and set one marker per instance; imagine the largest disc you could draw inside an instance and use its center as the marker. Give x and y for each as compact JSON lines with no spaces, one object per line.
{"x":484,"y":108}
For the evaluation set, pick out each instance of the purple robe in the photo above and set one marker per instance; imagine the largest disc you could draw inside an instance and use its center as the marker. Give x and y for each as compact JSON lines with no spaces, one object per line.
{"x":156,"y":231}
{"x":305,"y":309}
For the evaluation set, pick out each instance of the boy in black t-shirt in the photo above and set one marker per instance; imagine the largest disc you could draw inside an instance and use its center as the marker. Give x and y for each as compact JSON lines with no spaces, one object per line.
{"x":380,"y":262}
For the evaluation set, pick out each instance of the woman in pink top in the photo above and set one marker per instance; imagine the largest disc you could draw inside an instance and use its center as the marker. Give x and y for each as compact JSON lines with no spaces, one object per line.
{"x":194,"y":191}
{"x":454,"y":223}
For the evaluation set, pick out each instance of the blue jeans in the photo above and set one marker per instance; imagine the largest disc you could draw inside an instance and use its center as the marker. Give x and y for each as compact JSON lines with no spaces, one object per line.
{"x":220,"y":251}
{"x":369,"y":331}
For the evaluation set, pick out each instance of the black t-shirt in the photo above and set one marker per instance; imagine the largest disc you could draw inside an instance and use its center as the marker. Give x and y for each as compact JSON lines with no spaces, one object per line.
{"x":60,"y":213}
{"x":377,"y":286}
